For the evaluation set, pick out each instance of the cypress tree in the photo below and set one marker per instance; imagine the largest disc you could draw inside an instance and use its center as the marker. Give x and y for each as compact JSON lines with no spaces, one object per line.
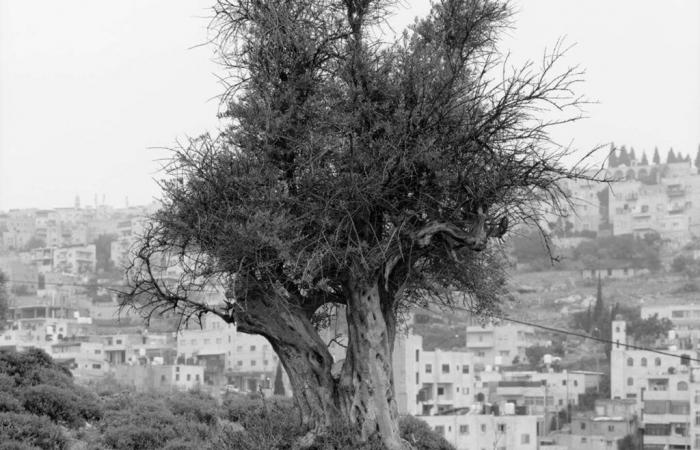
{"x":623,"y":158}
{"x":279,"y":383}
{"x":656,"y":158}
{"x":612,"y":157}
{"x":633,"y":157}
{"x":670,"y":157}
{"x":645,"y":161}
{"x":599,"y":308}
{"x":697,"y":159}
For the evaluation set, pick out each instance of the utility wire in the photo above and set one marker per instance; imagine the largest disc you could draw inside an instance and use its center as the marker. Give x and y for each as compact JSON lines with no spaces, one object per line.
{"x":471,"y":311}
{"x":568,"y":332}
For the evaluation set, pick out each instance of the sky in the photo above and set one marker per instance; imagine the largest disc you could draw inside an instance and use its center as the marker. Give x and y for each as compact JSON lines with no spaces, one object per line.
{"x":91,"y":92}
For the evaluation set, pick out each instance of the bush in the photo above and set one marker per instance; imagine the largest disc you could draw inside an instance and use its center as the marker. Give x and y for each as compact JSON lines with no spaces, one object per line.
{"x":32,"y":431}
{"x":421,"y":436}
{"x":69,"y":407}
{"x":196,"y":406}
{"x":33,"y":367}
{"x":9,"y":403}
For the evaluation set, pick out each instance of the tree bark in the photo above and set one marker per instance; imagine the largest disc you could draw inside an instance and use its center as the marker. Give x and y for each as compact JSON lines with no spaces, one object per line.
{"x":366,"y":387}
{"x":305,"y":358}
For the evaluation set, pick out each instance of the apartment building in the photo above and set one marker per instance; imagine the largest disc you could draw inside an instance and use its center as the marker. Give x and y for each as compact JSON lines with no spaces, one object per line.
{"x":666,"y":388}
{"x":498,"y":344}
{"x":482,"y":428}
{"x":430,"y":382}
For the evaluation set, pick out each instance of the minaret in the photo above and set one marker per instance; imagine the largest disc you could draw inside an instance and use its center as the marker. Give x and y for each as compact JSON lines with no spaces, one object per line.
{"x":618,"y":355}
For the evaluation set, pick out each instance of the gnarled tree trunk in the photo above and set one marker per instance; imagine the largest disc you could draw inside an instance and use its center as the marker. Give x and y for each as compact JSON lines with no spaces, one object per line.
{"x":366,"y":387}
{"x":305,"y":358}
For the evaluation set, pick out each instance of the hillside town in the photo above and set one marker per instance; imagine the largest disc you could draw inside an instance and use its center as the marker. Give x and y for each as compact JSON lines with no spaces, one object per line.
{"x":598,"y":353}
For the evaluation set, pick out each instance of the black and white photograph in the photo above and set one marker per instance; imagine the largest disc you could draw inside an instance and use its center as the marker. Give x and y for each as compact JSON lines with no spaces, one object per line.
{"x":349,"y":225}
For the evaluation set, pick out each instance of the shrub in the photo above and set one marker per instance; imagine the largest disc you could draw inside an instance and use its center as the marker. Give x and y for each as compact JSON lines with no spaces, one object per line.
{"x":33,"y":367}
{"x":17,"y":445}
{"x":197,"y":406}
{"x":32,"y":431}
{"x":9,"y":403}
{"x":65,"y":406}
{"x":419,"y":434}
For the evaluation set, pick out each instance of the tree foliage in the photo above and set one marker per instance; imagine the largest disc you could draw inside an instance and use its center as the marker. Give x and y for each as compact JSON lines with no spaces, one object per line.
{"x":620,"y":251}
{"x":357,"y":173}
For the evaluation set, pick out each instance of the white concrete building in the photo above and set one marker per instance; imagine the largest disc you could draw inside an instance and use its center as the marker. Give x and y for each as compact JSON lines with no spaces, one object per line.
{"x":666,"y":387}
{"x":478,"y":431}
{"x":498,"y":344}
{"x":428,"y":383}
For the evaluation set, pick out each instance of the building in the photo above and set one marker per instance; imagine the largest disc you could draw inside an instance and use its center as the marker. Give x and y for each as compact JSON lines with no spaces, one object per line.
{"x":481,"y":428}
{"x":601,"y":429}
{"x":428,"y":383}
{"x":498,"y":344}
{"x":664,"y":385}
{"x":155,"y":377}
{"x":244,"y":360}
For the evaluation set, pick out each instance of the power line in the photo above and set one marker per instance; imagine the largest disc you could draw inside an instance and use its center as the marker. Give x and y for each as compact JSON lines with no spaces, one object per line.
{"x":570,"y":333}
{"x":471,"y":311}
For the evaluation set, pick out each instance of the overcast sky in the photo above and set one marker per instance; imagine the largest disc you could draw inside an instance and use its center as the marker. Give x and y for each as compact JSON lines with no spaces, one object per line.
{"x":90,"y":89}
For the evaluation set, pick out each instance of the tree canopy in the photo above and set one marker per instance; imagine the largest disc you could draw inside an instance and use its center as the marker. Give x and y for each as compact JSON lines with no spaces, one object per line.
{"x":357,"y":174}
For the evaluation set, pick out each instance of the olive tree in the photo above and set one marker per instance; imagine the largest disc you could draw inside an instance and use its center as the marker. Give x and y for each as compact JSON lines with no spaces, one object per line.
{"x":358,"y":175}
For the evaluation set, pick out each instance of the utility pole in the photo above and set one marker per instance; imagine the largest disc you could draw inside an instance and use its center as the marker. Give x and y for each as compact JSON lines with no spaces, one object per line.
{"x":546,"y":423}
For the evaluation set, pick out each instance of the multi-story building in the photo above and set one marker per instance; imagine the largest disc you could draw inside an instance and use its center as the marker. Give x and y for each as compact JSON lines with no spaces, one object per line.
{"x":601,"y":429}
{"x":247,"y":361}
{"x":498,"y":344}
{"x":662,"y":384}
{"x":431,"y":382}
{"x":481,"y":428}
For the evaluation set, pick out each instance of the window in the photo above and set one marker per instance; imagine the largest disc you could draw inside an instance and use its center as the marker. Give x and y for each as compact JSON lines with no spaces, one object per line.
{"x":524,"y":438}
{"x":206,"y":341}
{"x":193,"y":342}
{"x":644,"y":362}
{"x":630,"y":381}
{"x":97,"y":366}
{"x":611,"y":427}
{"x":189,"y":377}
{"x":483,"y":428}
{"x":657,"y":361}
{"x":218,"y":340}
{"x":252,"y":362}
{"x":682,"y":386}
{"x":630,"y":362}
{"x":97,"y":352}
{"x":417,"y":378}
{"x":239,"y":348}
{"x":441,"y":391}
{"x":239,"y":363}
{"x":584,"y":440}
{"x":697,"y":417}
{"x":464,"y":429}
{"x":501,"y":427}
{"x":575,"y":382}
{"x":465,"y":368}
{"x":481,"y":354}
{"x":252,"y":348}
{"x":440,"y":429}
{"x":417,"y":355}
{"x":563,"y":382}
{"x":265,"y":362}
{"x":162,"y":378}
{"x":685,"y":360}
{"x":119,"y":341}
{"x":583,"y":425}
{"x":428,"y":368}
{"x":177,"y":377}
{"x":196,"y":377}
{"x":445,"y":368}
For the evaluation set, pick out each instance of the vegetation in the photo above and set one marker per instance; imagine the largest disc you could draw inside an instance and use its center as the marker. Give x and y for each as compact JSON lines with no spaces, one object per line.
{"x":623,"y":251}
{"x":354,"y":173}
{"x":41,"y":407}
{"x":4,"y":300}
